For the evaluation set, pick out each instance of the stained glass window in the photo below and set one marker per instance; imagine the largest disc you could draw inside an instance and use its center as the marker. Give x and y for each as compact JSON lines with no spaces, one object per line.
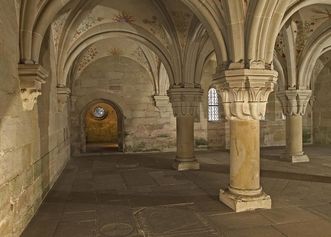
{"x":213,"y":113}
{"x":99,"y":112}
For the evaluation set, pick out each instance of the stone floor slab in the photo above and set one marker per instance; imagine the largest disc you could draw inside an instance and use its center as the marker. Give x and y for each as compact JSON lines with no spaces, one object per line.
{"x":239,"y":220}
{"x":322,"y":210}
{"x":265,"y":231}
{"x":97,"y":197}
{"x":288,"y":215}
{"x":137,"y":178}
{"x":76,"y":229}
{"x":174,"y":220}
{"x":40,"y":228}
{"x":319,"y":228}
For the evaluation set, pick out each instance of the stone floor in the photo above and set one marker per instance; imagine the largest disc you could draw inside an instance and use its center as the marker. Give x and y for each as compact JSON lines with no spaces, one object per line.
{"x":140,"y":195}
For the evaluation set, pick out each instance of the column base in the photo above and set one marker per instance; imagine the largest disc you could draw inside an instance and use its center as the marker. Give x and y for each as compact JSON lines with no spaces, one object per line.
{"x":301,"y":158}
{"x":186,"y":165}
{"x":240,"y":203}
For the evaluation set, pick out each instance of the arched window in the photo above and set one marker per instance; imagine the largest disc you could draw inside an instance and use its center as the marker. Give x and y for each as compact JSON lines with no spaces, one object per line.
{"x":213,"y":113}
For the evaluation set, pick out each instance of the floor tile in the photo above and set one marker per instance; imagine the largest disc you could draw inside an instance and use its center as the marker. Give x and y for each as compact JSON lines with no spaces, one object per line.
{"x":128,"y":195}
{"x":288,"y":215}
{"x":319,"y":228}
{"x":265,"y":231}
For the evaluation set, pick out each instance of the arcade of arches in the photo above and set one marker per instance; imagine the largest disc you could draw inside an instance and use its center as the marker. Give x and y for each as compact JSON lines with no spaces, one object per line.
{"x":188,"y":80}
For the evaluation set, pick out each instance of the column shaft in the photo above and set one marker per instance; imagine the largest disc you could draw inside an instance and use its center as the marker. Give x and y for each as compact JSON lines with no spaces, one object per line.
{"x":244,"y":191}
{"x":185,"y":159}
{"x":294,"y":144}
{"x":245,"y":156}
{"x":294,"y":103}
{"x":294,"y":134}
{"x":185,"y":138}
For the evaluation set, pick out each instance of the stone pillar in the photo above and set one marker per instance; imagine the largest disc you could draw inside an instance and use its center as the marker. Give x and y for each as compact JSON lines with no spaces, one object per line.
{"x":244,"y":95}
{"x":185,"y":139}
{"x":31,"y":77}
{"x":294,"y":104}
{"x":185,"y":103}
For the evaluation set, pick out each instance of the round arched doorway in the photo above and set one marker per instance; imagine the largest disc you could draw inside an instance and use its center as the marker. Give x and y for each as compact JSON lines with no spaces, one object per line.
{"x":103,"y":126}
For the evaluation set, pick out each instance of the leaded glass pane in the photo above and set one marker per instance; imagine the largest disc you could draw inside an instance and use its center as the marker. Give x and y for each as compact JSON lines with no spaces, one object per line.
{"x":213,"y":113}
{"x":99,"y":112}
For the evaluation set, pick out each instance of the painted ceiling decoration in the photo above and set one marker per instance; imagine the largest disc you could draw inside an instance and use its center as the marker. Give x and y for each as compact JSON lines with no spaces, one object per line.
{"x":57,"y":29}
{"x":156,"y":28}
{"x":124,"y":17}
{"x":87,"y":58}
{"x":89,"y":22}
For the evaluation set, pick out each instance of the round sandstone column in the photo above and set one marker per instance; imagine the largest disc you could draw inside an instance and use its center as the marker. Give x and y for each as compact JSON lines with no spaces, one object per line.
{"x":244,"y":95}
{"x":244,"y":191}
{"x":294,"y":145}
{"x":185,"y":159}
{"x":185,"y":104}
{"x":245,"y":157}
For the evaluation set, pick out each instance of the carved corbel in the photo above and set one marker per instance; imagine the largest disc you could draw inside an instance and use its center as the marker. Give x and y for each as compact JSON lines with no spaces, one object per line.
{"x":31,"y":77}
{"x":63,"y":95}
{"x":161,"y":101}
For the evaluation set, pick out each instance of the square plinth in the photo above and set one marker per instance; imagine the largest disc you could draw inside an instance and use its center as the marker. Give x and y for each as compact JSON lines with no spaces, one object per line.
{"x":295,"y":158}
{"x":186,"y":165}
{"x":241,"y":203}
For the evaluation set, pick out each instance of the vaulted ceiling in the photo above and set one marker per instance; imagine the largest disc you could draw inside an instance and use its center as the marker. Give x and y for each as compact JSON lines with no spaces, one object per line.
{"x":180,"y":35}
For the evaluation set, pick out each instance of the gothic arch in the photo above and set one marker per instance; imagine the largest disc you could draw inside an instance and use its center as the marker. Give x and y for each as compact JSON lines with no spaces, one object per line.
{"x":262,"y":28}
{"x":108,"y":33}
{"x":197,"y":52}
{"x":297,"y":6}
{"x":34,"y":26}
{"x":213,"y":24}
{"x":282,"y":82}
{"x":319,"y":43}
{"x":236,"y":39}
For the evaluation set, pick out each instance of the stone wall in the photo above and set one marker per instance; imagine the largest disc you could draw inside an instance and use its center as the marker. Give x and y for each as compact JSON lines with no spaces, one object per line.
{"x":127,"y":84}
{"x":322,"y":108}
{"x":33,"y":144}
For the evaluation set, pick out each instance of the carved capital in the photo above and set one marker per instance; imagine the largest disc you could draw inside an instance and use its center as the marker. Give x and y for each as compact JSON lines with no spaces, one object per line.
{"x":63,"y":95}
{"x":245,"y":92}
{"x":185,"y":101}
{"x":31,"y":77}
{"x":294,"y":102}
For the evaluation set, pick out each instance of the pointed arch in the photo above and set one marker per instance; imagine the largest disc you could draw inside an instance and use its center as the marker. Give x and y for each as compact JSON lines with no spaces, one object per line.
{"x":111,"y":30}
{"x":262,"y":29}
{"x":213,"y":25}
{"x":319,"y":43}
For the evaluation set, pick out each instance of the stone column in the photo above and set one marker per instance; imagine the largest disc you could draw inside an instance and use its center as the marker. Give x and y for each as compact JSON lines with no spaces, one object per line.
{"x":244,"y":95}
{"x":185,"y":103}
{"x":294,"y":104}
